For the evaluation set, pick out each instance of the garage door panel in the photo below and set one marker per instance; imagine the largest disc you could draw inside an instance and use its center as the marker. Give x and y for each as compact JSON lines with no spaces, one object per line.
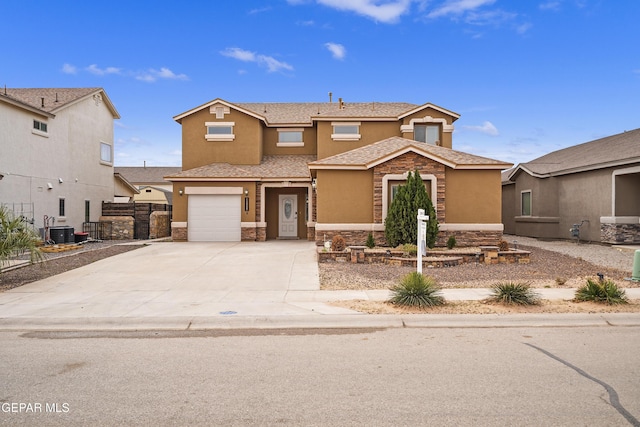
{"x":214,"y":218}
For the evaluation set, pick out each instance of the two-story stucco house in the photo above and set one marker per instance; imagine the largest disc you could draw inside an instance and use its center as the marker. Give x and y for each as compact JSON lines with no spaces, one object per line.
{"x":56,"y":154}
{"x":258,"y":171}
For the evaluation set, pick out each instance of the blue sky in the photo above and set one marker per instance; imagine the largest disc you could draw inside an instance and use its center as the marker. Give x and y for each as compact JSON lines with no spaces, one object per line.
{"x":527,"y":77}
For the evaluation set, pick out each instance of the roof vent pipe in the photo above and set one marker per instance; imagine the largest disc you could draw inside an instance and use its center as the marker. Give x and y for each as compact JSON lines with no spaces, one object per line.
{"x":56,"y":96}
{"x":42,"y":101}
{"x":330,"y":97}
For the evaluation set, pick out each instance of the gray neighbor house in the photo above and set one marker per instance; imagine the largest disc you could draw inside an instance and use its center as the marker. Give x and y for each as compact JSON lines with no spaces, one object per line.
{"x":595,"y":185}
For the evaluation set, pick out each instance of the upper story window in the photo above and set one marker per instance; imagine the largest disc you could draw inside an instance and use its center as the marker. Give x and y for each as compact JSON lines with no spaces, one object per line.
{"x":345,"y":131}
{"x":220,"y":131}
{"x":106,"y":153}
{"x":290,"y":138}
{"x":40,"y":128}
{"x":427,"y":133}
{"x":525,"y":203}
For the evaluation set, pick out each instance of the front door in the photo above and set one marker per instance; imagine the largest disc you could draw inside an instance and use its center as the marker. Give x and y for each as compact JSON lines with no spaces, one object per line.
{"x":288,"y":216}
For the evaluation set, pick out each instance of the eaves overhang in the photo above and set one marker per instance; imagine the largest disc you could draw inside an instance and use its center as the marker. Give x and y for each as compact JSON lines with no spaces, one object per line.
{"x":26,"y":107}
{"x":179,"y":117}
{"x":455,"y":116}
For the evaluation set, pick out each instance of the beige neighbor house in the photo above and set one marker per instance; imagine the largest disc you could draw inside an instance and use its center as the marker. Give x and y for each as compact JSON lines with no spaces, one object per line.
{"x":56,"y":154}
{"x":595,"y":185}
{"x":258,"y":171}
{"x":150,"y":182}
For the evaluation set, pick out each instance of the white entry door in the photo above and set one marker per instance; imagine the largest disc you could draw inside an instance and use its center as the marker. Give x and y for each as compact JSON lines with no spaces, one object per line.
{"x":288,"y":215}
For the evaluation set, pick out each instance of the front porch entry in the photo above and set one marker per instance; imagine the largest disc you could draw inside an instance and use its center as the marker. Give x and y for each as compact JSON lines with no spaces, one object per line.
{"x":286,"y":211}
{"x":288,"y":216}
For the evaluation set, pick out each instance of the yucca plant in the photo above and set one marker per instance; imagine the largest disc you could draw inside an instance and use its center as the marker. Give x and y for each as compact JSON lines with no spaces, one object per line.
{"x":16,"y":238}
{"x":510,"y":293}
{"x":601,"y":291}
{"x":416,"y":290}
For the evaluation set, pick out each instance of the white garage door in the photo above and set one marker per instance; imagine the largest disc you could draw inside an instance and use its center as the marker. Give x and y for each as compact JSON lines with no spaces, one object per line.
{"x":214,"y":218}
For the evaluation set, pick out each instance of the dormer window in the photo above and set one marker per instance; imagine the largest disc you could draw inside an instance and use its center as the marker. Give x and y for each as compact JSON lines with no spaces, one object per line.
{"x":220,"y":131}
{"x":345,"y":131}
{"x":427,"y":133}
{"x":39,"y":128}
{"x":288,"y":137}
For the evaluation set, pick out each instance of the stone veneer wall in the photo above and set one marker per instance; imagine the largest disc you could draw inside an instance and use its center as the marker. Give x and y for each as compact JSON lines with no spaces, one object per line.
{"x":463,"y":238}
{"x":248,"y":234}
{"x":117,"y":227}
{"x":620,"y":233}
{"x":402,"y":164}
{"x":179,"y":234}
{"x":159,"y":224}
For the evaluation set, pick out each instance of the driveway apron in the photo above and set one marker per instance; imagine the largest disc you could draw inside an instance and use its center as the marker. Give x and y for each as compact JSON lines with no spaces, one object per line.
{"x":166,"y":279}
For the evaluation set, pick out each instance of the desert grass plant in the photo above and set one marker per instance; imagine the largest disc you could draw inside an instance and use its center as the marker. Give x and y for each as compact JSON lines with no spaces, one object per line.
{"x":601,"y":291}
{"x":416,"y":290}
{"x":17,"y":238}
{"x":510,"y":293}
{"x":410,"y":249}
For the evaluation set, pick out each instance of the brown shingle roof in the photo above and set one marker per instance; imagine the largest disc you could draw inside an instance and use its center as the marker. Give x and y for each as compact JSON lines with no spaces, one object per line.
{"x":304,"y":113}
{"x":371,"y":155}
{"x":623,"y":148}
{"x":55,"y":99}
{"x":272,"y":167}
{"x":146,"y":175}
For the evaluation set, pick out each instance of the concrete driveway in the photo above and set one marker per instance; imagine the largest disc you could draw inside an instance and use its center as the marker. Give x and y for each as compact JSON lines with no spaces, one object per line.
{"x":176,"y":280}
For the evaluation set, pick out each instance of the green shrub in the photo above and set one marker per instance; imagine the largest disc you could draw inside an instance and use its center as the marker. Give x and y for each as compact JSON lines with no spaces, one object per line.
{"x":601,"y":291}
{"x":371,"y":243}
{"x":510,"y":293}
{"x":416,"y":290}
{"x":410,"y":249}
{"x":451,"y":242}
{"x":401,"y":224}
{"x":338,"y":244}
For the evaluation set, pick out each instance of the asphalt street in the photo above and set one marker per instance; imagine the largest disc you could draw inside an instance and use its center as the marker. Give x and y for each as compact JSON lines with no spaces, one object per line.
{"x":348,"y":377}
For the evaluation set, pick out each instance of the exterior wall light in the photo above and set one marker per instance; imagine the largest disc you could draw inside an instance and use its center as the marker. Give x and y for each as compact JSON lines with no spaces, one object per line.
{"x":181,"y":191}
{"x":246,"y":200}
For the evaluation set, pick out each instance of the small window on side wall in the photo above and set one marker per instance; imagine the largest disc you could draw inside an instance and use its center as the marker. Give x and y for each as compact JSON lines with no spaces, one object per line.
{"x":40,"y":128}
{"x":343,"y":131}
{"x":525,"y":205}
{"x":219,"y":131}
{"x":61,"y":207}
{"x":106,"y":155}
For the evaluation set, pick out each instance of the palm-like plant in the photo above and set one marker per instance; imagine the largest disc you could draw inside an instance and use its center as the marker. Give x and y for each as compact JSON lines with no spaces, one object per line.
{"x":416,"y":290}
{"x":16,"y":238}
{"x":601,"y":291}
{"x":513,"y":294}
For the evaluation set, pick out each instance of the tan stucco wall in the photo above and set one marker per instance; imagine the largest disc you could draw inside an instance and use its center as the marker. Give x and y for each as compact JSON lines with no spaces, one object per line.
{"x":370,"y":132}
{"x":473,"y":196}
{"x":271,"y":140}
{"x":344,"y":196}
{"x":244,"y":149}
{"x":180,"y":202}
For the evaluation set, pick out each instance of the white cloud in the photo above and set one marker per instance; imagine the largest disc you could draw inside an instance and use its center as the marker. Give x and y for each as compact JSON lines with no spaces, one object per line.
{"x":153,"y":75}
{"x":93,"y":69}
{"x":269,"y":62}
{"x":378,"y":10}
{"x":550,"y":5}
{"x":337,"y":50}
{"x":69,"y":69}
{"x":458,"y":7}
{"x":487,"y":128}
{"x":523,"y":28}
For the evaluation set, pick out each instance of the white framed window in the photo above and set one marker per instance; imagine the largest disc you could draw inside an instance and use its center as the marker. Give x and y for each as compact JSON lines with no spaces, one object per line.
{"x":345,"y":131}
{"x":427,"y":133}
{"x":290,"y":137}
{"x":525,"y":203}
{"x":40,"y":128}
{"x":220,"y":131}
{"x":106,"y":153}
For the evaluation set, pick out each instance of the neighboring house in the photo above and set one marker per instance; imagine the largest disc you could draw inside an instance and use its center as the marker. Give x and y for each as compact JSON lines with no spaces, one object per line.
{"x":56,"y":157}
{"x":595,"y":185}
{"x":150,"y":182}
{"x":258,"y":171}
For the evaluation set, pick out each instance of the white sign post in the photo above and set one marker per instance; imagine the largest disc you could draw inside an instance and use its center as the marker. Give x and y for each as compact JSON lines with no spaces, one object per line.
{"x":422,"y":237}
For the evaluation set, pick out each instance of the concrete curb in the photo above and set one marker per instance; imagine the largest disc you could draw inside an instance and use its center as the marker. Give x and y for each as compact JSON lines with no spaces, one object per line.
{"x":341,"y":321}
